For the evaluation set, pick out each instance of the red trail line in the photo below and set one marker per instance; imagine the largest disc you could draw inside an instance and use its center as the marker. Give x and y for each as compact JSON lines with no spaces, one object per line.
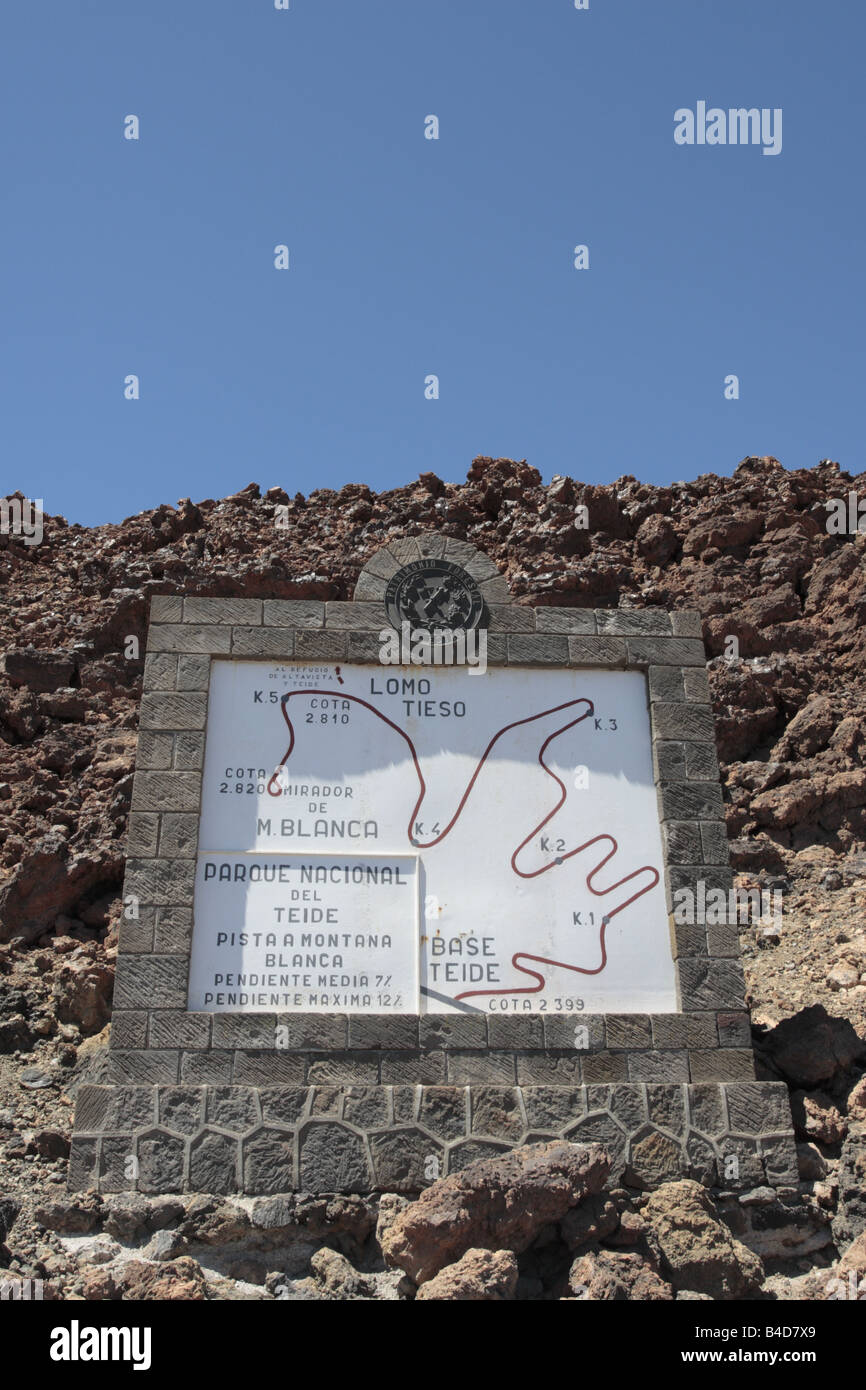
{"x":599,"y":892}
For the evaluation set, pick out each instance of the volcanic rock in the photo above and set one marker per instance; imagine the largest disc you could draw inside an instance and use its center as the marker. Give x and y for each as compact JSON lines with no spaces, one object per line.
{"x":479,"y":1276}
{"x":494,"y":1204}
{"x":698,"y":1251}
{"x":609,"y":1275}
{"x":812,"y":1048}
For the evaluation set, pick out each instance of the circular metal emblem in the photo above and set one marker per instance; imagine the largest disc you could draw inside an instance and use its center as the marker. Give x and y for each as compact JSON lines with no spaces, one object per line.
{"x":433,"y":593}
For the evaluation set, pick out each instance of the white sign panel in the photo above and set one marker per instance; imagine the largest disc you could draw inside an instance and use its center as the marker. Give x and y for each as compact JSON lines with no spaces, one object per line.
{"x":310,"y":933}
{"x":526,"y":795}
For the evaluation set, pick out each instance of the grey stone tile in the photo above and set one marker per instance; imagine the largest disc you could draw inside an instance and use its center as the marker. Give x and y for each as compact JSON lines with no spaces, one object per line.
{"x":734,"y":1029}
{"x":365,"y":646}
{"x":711,"y":984}
{"x":314,"y":1032}
{"x":684,"y":1030}
{"x":687,"y":623}
{"x":432,"y":545}
{"x":383,"y":563}
{"x":413,"y":1068}
{"x":627,"y":1031}
{"x":188,"y":752}
{"x":666,"y":683}
{"x":597,"y":651}
{"x":173,"y":934}
{"x":495,"y":590}
{"x":174,"y":1028}
{"x":669,"y":761}
{"x":223,"y":610}
{"x":357,"y":1069}
{"x":275,"y":642}
{"x":683,"y":841}
{"x":143,"y":834}
{"x":370,"y":588}
{"x":193,"y":671}
{"x":166,"y":791}
{"x":245,"y":1030}
{"x":154,"y":750}
{"x":145,"y":1065}
{"x":128,"y":1031}
{"x":206,"y":1067}
{"x":538,"y":648}
{"x":481,"y":1068}
{"x":512,"y":1030}
{"x":136,"y":934}
{"x":702,"y":763}
{"x":150,"y":982}
{"x":550,"y":1068}
{"x":261,"y":1067}
{"x":560,"y":1032}
{"x":173,"y":711}
{"x":697,"y":685}
{"x":451,"y":1031}
{"x":692,"y":801}
{"x":160,"y":671}
{"x":383,"y":1031}
{"x":293,"y":613}
{"x":511,"y":617}
{"x":186,"y":637}
{"x":357,"y":616}
{"x":579,"y":621}
{"x":166,"y":608}
{"x":634,"y":622}
{"x":179,"y":836}
{"x":658,"y":1066}
{"x":714,"y":843}
{"x":329,"y":646}
{"x":604,"y":1066}
{"x":666,"y":651}
{"x":683,"y":722}
{"x":159,"y":882}
{"x":722,"y":1064}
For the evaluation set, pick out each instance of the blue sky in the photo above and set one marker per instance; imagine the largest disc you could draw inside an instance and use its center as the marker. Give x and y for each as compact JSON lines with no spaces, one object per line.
{"x":411,"y":257}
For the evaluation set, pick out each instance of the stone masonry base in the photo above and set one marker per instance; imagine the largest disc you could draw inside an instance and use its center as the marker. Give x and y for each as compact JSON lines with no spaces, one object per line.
{"x":256,"y":1140}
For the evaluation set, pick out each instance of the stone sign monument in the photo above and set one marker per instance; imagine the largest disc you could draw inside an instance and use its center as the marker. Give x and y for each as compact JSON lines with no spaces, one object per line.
{"x":415,"y":879}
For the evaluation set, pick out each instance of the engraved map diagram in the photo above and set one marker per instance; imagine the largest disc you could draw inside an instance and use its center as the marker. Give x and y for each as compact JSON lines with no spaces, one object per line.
{"x":419,"y":839}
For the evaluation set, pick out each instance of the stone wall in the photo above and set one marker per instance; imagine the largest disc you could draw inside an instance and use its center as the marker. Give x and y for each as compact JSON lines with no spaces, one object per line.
{"x":368,"y":1078}
{"x":270,"y":1138}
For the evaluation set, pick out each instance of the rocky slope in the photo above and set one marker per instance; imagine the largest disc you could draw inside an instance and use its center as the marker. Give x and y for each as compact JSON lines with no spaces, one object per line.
{"x":751,"y":552}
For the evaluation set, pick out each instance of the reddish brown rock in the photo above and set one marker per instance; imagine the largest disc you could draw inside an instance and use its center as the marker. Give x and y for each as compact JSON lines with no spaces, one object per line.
{"x":83,"y":989}
{"x":809,"y":730}
{"x":723,"y":532}
{"x":594,"y":1219}
{"x":179,"y":1280}
{"x":479,"y":1276}
{"x":854,"y":1258}
{"x":100,"y":1285}
{"x":698,"y":1251}
{"x":812,"y":1048}
{"x":47,"y":881}
{"x":494,"y":1204}
{"x":656,"y":540}
{"x":856,"y":1103}
{"x":784,"y":806}
{"x":816,"y":1117}
{"x":615,"y":1276}
{"x":38,"y":670}
{"x":49,"y":1143}
{"x":337,"y":1278}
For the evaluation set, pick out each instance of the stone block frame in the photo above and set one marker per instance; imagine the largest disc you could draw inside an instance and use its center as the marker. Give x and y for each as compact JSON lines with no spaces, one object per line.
{"x":207,"y":1102}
